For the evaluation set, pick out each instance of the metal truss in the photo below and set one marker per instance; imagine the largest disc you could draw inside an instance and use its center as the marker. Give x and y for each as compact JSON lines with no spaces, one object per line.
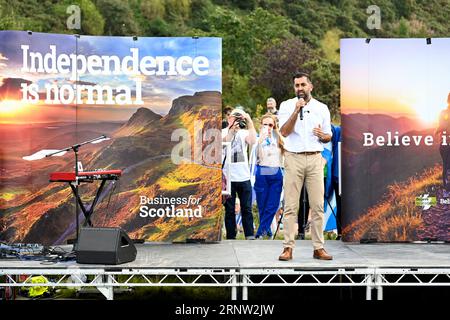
{"x":371,"y":278}
{"x":298,"y":277}
{"x":107,"y":279}
{"x":409,"y":277}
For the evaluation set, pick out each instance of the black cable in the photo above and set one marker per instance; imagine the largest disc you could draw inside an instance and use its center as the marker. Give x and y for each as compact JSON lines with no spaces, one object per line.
{"x":114,"y":188}
{"x":29,"y":253}
{"x":115,"y":183}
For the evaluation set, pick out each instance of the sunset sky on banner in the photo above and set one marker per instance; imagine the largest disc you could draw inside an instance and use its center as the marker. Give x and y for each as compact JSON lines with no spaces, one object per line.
{"x":414,"y":79}
{"x":157,"y":92}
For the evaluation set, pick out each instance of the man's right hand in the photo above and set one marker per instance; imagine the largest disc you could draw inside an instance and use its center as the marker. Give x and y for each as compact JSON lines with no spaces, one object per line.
{"x":299,"y":105}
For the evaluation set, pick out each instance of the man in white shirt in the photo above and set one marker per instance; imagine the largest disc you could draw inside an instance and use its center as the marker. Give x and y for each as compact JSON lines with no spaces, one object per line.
{"x":305,"y":124}
{"x":240,"y":138}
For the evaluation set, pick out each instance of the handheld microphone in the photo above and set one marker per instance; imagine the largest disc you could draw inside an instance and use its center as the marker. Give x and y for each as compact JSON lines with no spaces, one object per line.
{"x":301,"y":110}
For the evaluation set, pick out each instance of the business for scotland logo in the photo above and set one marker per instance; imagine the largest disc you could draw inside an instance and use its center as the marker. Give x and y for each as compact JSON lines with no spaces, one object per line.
{"x":425,"y":201}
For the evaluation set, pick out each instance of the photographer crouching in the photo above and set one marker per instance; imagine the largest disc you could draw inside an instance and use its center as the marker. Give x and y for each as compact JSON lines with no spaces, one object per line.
{"x":240,"y":139}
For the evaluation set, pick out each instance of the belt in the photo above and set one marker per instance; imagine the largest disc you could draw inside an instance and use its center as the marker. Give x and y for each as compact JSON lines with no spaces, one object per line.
{"x":307,"y":153}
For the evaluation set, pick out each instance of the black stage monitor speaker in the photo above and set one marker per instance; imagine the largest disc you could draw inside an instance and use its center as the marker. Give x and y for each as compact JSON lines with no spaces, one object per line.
{"x":105,"y":246}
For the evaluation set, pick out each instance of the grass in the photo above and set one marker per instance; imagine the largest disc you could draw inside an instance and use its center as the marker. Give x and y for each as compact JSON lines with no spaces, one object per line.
{"x":9,"y":193}
{"x":396,"y":217}
{"x":7,"y":196}
{"x":186,"y":175}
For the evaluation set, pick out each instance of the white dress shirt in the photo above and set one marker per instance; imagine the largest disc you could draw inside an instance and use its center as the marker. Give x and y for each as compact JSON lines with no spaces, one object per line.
{"x":302,"y":139}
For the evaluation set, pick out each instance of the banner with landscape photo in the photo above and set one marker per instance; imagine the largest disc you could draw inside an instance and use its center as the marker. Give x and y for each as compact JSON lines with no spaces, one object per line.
{"x":159,"y":102}
{"x":395,"y":104}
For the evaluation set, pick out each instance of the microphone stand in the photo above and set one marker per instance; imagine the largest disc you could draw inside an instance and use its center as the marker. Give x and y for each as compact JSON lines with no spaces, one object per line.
{"x":75,"y":149}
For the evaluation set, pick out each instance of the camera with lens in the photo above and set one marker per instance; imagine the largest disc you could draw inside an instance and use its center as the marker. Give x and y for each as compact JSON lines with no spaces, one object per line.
{"x":241,"y":122}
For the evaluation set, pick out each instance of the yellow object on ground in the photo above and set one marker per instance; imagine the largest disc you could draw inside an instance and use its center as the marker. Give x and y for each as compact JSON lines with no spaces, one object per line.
{"x":38,"y":290}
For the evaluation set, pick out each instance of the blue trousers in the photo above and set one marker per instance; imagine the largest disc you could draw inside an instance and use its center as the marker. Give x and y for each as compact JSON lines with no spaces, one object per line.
{"x":268,"y":186}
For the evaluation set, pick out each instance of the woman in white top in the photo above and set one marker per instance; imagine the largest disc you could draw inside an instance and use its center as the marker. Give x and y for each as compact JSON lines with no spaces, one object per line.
{"x":268,"y":176}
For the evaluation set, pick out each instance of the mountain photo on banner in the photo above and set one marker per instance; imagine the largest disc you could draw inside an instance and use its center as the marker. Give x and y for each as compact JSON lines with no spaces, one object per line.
{"x":393,"y":94}
{"x":34,"y":210}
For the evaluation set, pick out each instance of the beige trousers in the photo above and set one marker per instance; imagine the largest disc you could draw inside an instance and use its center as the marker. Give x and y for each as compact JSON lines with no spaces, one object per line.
{"x":299,"y":169}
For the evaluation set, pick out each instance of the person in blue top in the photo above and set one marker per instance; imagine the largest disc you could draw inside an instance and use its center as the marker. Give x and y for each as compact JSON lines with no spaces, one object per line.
{"x":268,"y":177}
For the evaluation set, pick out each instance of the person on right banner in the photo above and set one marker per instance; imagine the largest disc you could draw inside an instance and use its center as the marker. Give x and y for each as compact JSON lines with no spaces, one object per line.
{"x":305,"y":124}
{"x":444,"y":129}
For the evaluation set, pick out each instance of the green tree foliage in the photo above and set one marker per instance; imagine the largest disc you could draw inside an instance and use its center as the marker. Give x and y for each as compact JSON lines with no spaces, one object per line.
{"x":118,"y":16}
{"x":27,"y":15}
{"x":8,"y":18}
{"x":403,"y":28}
{"x":176,"y":9}
{"x":92,"y":22}
{"x":404,"y":8}
{"x":201,"y":10}
{"x":152,"y":9}
{"x":325,"y":77}
{"x":245,"y":37}
{"x":280,"y":62}
{"x":160,"y":28}
{"x":330,"y":45}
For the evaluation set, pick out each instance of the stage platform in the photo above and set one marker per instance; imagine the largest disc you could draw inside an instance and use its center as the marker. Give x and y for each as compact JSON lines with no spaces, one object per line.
{"x":244,"y":264}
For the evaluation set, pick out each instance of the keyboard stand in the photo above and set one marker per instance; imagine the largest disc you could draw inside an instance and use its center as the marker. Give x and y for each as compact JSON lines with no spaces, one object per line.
{"x":87,"y":212}
{"x":75,"y":181}
{"x":75,"y":148}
